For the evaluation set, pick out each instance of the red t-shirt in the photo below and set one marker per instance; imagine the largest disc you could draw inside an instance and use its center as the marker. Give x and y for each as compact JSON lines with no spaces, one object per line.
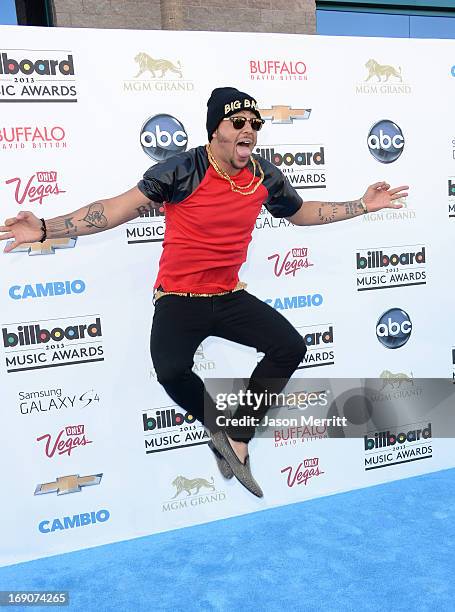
{"x":209,"y":226}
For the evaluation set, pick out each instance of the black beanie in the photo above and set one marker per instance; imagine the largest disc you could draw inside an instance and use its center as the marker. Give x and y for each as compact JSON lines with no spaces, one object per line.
{"x":224,"y":102}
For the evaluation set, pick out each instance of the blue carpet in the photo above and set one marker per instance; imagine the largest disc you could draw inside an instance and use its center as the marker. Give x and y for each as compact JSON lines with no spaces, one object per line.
{"x":388,"y":547}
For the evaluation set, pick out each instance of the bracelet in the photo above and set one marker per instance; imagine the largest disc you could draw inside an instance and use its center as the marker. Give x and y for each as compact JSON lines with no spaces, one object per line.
{"x":363,"y":206}
{"x":44,"y":230}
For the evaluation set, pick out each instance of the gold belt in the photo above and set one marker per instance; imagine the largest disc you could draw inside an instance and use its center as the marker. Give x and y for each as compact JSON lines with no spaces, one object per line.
{"x":159,"y":292}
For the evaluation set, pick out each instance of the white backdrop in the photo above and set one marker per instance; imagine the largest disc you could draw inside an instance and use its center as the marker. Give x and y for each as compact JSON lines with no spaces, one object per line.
{"x":70,"y":138}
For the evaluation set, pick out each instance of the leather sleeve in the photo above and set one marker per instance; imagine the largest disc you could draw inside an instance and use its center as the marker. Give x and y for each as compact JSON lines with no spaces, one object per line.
{"x":283,"y":200}
{"x":176,"y":178}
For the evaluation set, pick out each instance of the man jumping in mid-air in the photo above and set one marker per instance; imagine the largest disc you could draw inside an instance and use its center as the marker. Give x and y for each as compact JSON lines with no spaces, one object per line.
{"x":212,"y":196}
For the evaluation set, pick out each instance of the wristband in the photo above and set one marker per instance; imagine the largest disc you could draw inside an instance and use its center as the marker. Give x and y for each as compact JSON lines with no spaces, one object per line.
{"x":363,"y":206}
{"x":44,"y":230}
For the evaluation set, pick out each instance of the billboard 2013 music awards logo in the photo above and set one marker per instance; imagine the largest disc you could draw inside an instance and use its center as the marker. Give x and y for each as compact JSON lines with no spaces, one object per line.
{"x":52,"y":343}
{"x":386,"y":267}
{"x":320,"y":345}
{"x":36,"y":188}
{"x":149,"y":227}
{"x":32,"y":137}
{"x":170,"y":427}
{"x":277,"y":70}
{"x":303,"y":165}
{"x":397,"y":445}
{"x":29,"y":75}
{"x":154,"y":74}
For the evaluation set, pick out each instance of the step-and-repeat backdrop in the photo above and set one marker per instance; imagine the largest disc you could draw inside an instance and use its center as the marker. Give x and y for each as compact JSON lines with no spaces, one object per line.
{"x":92,"y":448}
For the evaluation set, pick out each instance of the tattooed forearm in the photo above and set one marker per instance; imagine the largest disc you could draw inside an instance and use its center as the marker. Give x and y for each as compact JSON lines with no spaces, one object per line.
{"x":61,"y":226}
{"x":95,"y":216}
{"x":327,"y":212}
{"x":70,"y":225}
{"x":352,"y":208}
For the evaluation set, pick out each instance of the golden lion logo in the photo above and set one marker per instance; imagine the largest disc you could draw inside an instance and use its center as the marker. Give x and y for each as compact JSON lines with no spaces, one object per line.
{"x":186,"y":484}
{"x":379,"y":71}
{"x":395,"y":380}
{"x":149,"y":64}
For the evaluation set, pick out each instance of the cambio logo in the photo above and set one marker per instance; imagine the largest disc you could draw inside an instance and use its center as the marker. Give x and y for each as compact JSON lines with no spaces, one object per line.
{"x":162,"y":136}
{"x":393,"y":328}
{"x":22,"y":292}
{"x":385,"y":141}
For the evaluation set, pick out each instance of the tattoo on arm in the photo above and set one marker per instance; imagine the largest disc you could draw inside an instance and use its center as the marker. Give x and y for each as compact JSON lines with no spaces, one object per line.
{"x":95,"y":216}
{"x":336,"y":211}
{"x":352,"y":208}
{"x":327,"y":212}
{"x":61,"y":225}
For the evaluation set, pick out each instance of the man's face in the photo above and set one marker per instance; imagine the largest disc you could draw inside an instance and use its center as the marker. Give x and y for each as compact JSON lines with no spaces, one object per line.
{"x":232,"y":146}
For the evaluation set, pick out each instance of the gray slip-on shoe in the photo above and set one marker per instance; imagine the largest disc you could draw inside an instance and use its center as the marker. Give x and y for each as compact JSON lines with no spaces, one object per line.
{"x":223,"y":465}
{"x":242,"y":471}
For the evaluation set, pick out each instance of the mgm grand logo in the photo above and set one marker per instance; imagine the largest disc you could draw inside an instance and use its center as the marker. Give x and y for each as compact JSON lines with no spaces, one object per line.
{"x":199,"y":491}
{"x":382,"y":79}
{"x":157,"y":74}
{"x":394,"y":381}
{"x":394,"y":386}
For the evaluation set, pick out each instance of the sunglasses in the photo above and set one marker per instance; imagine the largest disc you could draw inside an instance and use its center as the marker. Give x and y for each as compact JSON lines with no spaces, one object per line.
{"x":238,"y":123}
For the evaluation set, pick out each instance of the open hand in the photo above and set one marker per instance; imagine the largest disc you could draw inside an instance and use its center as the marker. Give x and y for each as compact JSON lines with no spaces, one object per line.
{"x":380,"y":195}
{"x":25,"y":227}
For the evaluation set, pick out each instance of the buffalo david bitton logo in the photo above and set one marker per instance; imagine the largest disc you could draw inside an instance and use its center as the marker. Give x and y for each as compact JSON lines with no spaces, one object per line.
{"x":198,"y":491}
{"x":157,"y":75}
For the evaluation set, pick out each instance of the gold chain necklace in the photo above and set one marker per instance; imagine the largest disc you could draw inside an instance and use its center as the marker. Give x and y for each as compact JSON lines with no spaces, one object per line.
{"x":234,"y":187}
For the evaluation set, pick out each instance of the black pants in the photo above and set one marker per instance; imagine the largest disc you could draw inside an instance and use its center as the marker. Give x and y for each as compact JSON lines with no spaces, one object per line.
{"x":181,"y":323}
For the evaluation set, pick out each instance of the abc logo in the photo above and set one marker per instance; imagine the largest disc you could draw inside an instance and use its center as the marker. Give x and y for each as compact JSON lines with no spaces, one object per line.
{"x":385,"y":141}
{"x":162,"y":136}
{"x":393,"y":328}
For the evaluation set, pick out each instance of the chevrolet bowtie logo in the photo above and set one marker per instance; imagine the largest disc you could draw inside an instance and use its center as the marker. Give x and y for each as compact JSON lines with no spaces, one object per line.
{"x":45,"y":248}
{"x":284,"y":114}
{"x":68,"y":484}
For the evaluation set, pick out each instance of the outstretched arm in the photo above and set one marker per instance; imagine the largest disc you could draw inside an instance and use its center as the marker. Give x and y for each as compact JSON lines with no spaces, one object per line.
{"x":95,"y":217}
{"x":377,"y":196}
